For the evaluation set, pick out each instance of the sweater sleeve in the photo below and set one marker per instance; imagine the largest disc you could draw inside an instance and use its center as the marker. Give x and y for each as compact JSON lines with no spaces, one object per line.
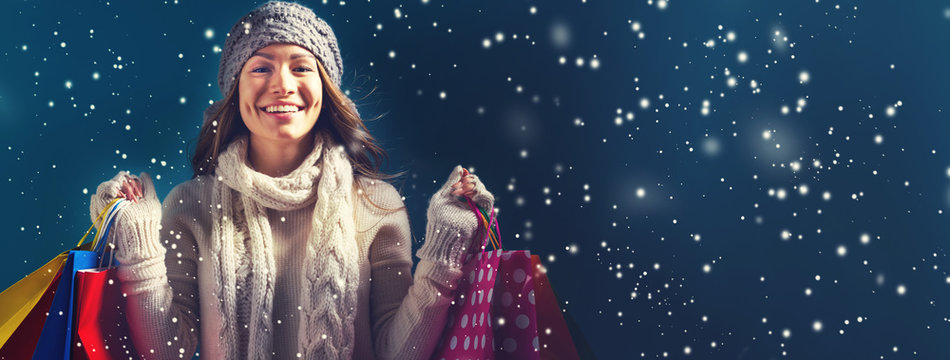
{"x":158,"y":271}
{"x":408,"y":312}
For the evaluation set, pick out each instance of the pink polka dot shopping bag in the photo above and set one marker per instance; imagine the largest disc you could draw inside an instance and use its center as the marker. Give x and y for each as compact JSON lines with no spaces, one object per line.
{"x":503,"y":300}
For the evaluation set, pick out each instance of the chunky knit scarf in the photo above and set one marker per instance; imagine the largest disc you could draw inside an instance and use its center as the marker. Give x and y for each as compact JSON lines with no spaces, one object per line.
{"x":242,"y":252}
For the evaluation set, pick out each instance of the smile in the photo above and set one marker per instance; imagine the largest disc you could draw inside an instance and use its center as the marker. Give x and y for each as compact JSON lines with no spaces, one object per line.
{"x":281,"y":109}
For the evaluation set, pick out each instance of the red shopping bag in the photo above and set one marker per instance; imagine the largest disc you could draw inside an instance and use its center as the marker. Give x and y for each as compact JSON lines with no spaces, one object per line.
{"x":529,"y":323}
{"x":101,"y":330}
{"x":555,"y":338}
{"x":515,"y":327}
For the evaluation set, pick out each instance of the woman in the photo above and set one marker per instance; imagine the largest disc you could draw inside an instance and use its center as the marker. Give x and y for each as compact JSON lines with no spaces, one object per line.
{"x":287,"y":243}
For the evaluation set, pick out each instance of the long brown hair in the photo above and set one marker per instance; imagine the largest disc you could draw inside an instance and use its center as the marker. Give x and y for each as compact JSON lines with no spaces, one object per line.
{"x":338,"y":117}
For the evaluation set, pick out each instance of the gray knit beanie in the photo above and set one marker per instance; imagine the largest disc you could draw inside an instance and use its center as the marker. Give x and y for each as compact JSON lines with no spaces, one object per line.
{"x":278,"y":22}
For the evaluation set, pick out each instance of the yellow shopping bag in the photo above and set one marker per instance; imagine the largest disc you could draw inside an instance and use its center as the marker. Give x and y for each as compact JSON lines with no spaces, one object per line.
{"x":18,"y":300}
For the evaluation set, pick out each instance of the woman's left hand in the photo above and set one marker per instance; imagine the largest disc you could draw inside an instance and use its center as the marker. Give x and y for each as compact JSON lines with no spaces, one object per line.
{"x":451,"y":224}
{"x":466,"y":186}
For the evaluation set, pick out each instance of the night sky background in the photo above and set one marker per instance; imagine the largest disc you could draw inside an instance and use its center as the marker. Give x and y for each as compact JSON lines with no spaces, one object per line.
{"x":712,"y":180}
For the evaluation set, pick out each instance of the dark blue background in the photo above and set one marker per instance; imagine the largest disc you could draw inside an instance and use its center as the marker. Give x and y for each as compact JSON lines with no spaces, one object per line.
{"x":602,"y":250}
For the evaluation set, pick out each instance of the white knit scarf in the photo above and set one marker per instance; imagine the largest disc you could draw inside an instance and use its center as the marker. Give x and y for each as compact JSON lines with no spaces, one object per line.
{"x":242,"y":252}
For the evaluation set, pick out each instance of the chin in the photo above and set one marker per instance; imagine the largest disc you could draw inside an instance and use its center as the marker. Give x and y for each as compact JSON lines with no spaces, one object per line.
{"x":291,"y":134}
{"x":281,"y":136}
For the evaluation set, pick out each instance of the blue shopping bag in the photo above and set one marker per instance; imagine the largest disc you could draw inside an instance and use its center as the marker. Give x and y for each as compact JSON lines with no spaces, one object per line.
{"x":56,"y":338}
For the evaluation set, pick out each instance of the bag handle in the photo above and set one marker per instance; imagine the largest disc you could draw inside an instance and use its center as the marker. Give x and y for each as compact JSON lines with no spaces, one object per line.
{"x":492,"y":221}
{"x":97,"y":221}
{"x":492,"y":235}
{"x":103,"y":236}
{"x":107,"y":222}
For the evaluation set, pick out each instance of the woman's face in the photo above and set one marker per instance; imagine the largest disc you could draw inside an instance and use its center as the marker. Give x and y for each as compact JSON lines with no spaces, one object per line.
{"x":280,"y":93}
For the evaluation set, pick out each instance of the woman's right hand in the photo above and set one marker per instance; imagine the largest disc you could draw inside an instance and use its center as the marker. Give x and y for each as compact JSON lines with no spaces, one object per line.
{"x":145,"y":207}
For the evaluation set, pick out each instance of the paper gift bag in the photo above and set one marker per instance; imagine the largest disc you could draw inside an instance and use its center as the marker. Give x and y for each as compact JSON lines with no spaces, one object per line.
{"x":17,"y":301}
{"x":468,"y":333}
{"x":23,"y":341}
{"x":102,"y":331}
{"x":515,"y":326}
{"x":555,"y":338}
{"x":55,"y":338}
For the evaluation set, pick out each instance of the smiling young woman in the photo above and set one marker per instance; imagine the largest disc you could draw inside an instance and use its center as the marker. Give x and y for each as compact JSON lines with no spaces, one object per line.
{"x":287,"y":242}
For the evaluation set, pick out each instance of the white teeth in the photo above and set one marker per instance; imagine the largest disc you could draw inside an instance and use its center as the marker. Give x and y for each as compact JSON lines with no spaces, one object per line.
{"x":281,"y":108}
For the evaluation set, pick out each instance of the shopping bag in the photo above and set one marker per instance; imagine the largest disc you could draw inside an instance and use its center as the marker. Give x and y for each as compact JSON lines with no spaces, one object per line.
{"x":524,"y":316}
{"x":56,"y":337}
{"x":468,"y":333}
{"x":554,"y":335}
{"x":21,"y":343}
{"x":515,"y":327}
{"x":101,"y":330}
{"x":18,"y":300}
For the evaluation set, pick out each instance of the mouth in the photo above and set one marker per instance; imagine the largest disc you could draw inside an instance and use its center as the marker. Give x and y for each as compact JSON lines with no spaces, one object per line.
{"x":281,"y":109}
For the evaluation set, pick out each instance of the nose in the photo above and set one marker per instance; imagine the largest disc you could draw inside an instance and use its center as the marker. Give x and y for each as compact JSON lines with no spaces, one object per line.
{"x":282,"y":83}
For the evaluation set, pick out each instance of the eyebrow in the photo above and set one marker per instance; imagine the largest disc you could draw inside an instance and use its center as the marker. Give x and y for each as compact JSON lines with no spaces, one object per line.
{"x":292,"y":57}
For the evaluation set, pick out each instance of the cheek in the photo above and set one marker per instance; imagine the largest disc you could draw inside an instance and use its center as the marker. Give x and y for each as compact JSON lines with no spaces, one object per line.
{"x":249,"y":89}
{"x":314,"y":93}
{"x":319,"y":106}
{"x":244,"y":98}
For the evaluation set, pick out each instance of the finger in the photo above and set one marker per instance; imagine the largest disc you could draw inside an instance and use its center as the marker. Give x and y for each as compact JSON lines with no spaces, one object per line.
{"x":110,"y":189}
{"x":466,"y":188}
{"x":124,"y":185}
{"x":454,"y":177}
{"x":126,"y":190}
{"x":131,"y":192}
{"x":129,"y":188}
{"x":468,"y":192}
{"x":481,"y":195}
{"x":460,"y":185}
{"x":137,"y":185}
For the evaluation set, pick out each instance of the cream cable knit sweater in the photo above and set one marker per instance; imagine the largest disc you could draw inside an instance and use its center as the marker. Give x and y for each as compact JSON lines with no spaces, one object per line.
{"x":165,"y":252}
